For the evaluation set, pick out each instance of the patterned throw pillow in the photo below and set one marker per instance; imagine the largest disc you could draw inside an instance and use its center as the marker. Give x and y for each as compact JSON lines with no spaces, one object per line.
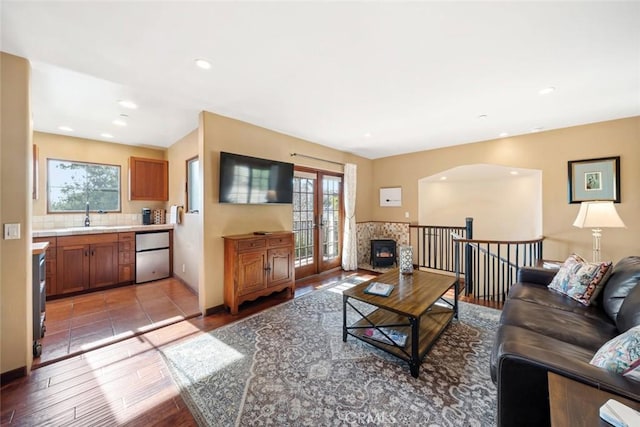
{"x":581,"y":280}
{"x":620,"y":353}
{"x":633,"y":372}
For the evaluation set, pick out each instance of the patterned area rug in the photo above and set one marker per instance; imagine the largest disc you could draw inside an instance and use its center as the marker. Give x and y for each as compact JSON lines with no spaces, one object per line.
{"x":288,"y":366}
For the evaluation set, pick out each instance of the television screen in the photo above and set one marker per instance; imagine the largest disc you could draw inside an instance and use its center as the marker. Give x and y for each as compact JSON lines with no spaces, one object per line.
{"x":250,"y":180}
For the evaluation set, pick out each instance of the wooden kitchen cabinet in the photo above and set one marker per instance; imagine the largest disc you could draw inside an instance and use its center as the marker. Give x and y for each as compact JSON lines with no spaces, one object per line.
{"x":50,"y":263}
{"x":86,"y":262}
{"x":148,"y":179}
{"x":126,"y":257}
{"x":257,"y":265}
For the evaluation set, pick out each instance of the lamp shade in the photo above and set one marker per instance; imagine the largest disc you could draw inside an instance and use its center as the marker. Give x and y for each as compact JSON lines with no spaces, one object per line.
{"x":598,"y":215}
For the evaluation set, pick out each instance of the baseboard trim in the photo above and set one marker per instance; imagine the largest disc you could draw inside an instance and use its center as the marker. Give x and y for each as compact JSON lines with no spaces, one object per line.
{"x":213,"y":310}
{"x":7,"y":377}
{"x":181,"y":280}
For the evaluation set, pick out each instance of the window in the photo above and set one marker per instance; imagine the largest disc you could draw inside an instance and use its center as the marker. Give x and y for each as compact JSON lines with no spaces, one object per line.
{"x":194,"y":197}
{"x":72,"y":185}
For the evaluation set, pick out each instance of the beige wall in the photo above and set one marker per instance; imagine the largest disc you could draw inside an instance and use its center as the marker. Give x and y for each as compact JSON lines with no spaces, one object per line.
{"x":15,"y":207}
{"x":548,"y":152}
{"x":508,"y":208}
{"x":87,"y":150}
{"x":187,"y":236}
{"x":218,"y":133}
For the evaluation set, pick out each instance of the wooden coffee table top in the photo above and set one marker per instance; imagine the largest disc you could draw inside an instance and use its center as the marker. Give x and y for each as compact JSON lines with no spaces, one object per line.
{"x":412,"y":295}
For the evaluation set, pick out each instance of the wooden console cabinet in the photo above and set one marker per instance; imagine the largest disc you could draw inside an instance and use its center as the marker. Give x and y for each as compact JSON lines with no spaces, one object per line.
{"x":257,"y":265}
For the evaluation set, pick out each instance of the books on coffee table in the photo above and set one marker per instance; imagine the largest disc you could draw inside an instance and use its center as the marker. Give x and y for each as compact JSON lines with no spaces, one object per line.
{"x":377,"y":288}
{"x":397,"y":337}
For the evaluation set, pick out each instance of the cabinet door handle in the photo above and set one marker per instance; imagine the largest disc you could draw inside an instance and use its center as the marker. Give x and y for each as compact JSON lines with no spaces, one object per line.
{"x":92,"y":253}
{"x":86,"y":253}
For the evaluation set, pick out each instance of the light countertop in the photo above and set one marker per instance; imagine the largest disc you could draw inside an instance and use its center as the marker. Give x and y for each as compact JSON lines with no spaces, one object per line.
{"x":39,"y":248}
{"x":100,"y":229}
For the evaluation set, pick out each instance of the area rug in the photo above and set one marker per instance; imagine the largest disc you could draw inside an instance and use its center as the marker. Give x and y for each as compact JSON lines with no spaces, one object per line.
{"x":288,"y":366}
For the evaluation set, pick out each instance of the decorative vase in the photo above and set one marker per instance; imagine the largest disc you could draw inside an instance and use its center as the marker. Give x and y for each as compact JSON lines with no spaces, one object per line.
{"x":405,"y":259}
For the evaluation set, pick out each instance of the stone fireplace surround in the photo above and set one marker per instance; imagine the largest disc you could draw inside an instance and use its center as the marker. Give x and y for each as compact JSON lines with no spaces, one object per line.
{"x":398,"y":231}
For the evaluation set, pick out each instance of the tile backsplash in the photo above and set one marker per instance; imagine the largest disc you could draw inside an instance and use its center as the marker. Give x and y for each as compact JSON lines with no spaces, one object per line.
{"x":48,"y":222}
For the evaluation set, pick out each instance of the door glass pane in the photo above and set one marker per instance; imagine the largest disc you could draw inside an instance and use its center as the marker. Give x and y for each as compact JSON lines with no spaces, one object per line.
{"x":330,"y":217}
{"x":303,"y":210}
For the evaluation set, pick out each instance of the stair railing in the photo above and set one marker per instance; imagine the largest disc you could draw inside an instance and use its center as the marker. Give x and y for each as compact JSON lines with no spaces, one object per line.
{"x":490,"y":267}
{"x":434,"y":244}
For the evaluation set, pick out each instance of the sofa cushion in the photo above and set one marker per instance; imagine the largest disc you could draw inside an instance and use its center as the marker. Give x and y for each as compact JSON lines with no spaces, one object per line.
{"x":619,"y":353}
{"x":587,"y":331}
{"x":581,"y":280}
{"x":629,"y":313}
{"x":539,"y":294}
{"x":624,"y":277}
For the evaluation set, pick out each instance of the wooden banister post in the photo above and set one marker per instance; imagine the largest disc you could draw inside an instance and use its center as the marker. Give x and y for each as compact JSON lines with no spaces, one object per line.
{"x":468,"y":257}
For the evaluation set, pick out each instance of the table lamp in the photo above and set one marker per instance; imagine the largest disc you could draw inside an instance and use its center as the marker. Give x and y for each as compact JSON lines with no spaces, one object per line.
{"x":597,"y":215}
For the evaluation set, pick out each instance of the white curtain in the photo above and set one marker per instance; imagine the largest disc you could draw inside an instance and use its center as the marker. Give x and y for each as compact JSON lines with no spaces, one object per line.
{"x":349,"y":239}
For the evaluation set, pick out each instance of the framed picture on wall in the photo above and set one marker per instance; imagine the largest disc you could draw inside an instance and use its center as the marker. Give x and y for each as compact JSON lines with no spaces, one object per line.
{"x":391,"y":196}
{"x":594,"y":179}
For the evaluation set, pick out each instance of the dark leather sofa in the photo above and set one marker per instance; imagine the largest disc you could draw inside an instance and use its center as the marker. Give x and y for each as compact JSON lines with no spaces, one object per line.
{"x":544,"y":331}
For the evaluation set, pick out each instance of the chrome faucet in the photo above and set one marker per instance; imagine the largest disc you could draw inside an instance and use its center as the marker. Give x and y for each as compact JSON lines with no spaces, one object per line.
{"x":87,"y":221}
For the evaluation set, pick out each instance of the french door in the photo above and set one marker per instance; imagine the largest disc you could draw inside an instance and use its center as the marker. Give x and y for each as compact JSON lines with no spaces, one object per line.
{"x":317,"y":220}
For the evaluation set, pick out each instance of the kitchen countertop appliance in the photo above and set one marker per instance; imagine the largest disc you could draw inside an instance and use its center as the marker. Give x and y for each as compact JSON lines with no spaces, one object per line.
{"x":152,"y":256}
{"x":146,"y":216}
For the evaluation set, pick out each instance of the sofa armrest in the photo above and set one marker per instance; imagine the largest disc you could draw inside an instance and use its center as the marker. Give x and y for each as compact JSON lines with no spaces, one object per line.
{"x":523,"y":360}
{"x":538,"y":275}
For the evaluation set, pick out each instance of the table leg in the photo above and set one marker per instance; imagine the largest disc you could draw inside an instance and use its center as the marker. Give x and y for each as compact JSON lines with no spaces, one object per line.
{"x":414,"y":363}
{"x":344,"y":318}
{"x":456,"y":287}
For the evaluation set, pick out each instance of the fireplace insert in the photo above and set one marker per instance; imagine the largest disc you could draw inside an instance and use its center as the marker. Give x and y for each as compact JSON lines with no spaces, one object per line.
{"x":383,"y":252}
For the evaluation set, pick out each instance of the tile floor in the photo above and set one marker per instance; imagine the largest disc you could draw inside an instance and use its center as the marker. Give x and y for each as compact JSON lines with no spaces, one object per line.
{"x":80,"y":323}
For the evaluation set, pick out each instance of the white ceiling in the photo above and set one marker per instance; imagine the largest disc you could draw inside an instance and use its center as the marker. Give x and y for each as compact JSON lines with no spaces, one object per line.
{"x":372,"y":78}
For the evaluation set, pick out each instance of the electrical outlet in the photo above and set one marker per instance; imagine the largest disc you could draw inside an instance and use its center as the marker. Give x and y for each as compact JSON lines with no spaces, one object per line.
{"x":184,"y":268}
{"x":406,"y":214}
{"x":11,"y":231}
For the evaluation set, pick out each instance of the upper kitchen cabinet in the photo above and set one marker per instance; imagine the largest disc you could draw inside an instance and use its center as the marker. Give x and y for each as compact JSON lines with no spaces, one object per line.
{"x":148,"y":179}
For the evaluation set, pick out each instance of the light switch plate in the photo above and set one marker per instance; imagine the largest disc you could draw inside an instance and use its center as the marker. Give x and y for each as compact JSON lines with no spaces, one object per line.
{"x":11,"y":231}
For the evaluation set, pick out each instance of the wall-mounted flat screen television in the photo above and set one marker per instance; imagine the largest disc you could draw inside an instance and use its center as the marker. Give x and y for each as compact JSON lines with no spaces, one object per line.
{"x":250,"y":180}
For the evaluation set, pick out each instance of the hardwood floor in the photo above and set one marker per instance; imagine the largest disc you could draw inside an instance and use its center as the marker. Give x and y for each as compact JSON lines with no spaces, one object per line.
{"x":80,"y":323}
{"x":125,"y":383}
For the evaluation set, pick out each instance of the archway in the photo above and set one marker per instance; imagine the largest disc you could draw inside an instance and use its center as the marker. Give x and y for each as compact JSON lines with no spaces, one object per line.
{"x":505,"y":202}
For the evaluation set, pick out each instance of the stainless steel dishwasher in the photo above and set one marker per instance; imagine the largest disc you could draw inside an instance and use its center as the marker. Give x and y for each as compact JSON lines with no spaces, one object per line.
{"x":152,"y":256}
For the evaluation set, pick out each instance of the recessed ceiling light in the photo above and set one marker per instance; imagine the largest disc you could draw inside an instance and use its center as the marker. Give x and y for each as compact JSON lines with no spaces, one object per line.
{"x":65,"y":128}
{"x":514,"y":172}
{"x":106,"y":135}
{"x":538,"y":129}
{"x":443,"y":178}
{"x":504,"y":134}
{"x":203,"y":63}
{"x":367,"y":135}
{"x":547,"y":90}
{"x":119,"y":122}
{"x":127,"y":104}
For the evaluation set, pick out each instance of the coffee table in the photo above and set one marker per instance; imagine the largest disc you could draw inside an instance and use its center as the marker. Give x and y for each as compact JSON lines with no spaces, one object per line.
{"x":415,"y":307}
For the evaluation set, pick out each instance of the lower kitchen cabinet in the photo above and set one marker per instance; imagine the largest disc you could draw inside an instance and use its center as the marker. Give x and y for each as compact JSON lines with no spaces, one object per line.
{"x":86,"y":262}
{"x":257,"y":265}
{"x":126,"y":257}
